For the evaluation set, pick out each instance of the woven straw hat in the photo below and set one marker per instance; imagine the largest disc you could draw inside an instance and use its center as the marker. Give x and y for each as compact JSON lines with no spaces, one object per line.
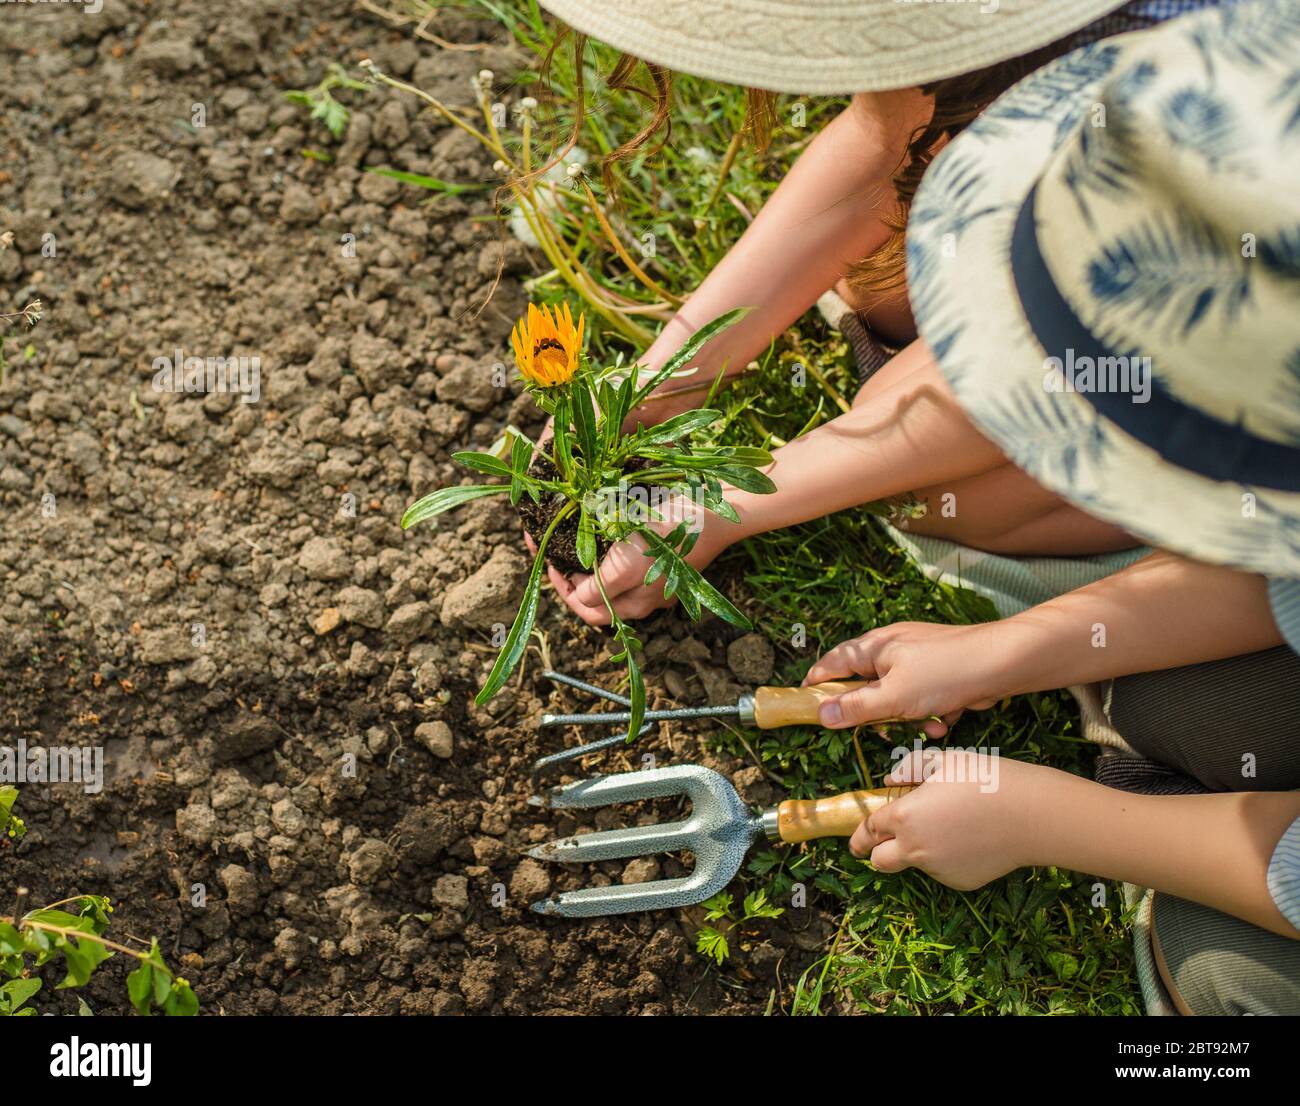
{"x":828,"y":47}
{"x":1106,"y":264}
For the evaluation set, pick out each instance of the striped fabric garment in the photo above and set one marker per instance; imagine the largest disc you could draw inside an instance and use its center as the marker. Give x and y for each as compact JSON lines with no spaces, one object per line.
{"x":1284,"y":868}
{"x":1284,"y":875}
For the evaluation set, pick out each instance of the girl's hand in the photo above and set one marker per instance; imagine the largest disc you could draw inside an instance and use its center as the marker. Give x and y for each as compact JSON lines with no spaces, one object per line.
{"x":624,"y":568}
{"x":918,"y":670}
{"x":973,"y":818}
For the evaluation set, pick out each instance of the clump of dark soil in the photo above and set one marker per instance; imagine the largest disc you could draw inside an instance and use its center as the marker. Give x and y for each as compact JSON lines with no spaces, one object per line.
{"x":302,"y":801}
{"x":562,"y":550}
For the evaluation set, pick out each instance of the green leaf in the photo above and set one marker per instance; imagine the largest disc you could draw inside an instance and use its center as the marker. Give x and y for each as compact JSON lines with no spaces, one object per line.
{"x":689,"y":349}
{"x":521,"y":453}
{"x":746,"y":479}
{"x":586,"y":540}
{"x":678,"y":427}
{"x":1063,"y":964}
{"x":139,"y":987}
{"x":625,"y":399}
{"x":635,"y":683}
{"x":561,"y":451}
{"x":694,"y":589}
{"x":15,"y":993}
{"x":757,"y":906}
{"x":517,"y":639}
{"x":62,"y":919}
{"x":686,"y":594}
{"x":433,"y":184}
{"x":444,"y":499}
{"x":182,"y":1002}
{"x":162,"y":985}
{"x":656,"y":570}
{"x":717,"y":907}
{"x":486,"y":463}
{"x":584,"y":422}
{"x":10,"y":823}
{"x":712,"y":944}
{"x":11,"y":941}
{"x":82,"y":957}
{"x":750,"y":456}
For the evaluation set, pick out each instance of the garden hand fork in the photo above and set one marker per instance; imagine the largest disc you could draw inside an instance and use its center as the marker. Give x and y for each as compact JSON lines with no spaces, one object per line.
{"x":718,"y":831}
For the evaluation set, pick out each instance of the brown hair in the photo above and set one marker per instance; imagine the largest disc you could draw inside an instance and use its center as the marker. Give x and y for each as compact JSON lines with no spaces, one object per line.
{"x":760,"y":106}
{"x":957,"y":102}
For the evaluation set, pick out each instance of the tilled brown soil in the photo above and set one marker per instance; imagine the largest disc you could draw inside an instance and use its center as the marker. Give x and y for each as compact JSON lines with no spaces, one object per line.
{"x":302,"y":802}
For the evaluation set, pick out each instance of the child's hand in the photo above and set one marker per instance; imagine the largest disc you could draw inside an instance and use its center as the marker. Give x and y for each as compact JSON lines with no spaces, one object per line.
{"x":973,"y":818}
{"x":918,"y":670}
{"x":624,"y":568}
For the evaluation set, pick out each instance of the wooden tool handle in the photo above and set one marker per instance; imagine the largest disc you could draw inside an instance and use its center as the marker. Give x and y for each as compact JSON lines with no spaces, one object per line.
{"x":775,"y":707}
{"x":837,"y":816}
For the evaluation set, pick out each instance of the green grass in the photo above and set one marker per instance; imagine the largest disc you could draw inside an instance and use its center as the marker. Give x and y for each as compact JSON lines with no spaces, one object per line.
{"x":1030,"y":943}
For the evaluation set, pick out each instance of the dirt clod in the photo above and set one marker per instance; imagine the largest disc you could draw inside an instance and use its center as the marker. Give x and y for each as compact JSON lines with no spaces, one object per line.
{"x":436,"y":737}
{"x":752,"y":658}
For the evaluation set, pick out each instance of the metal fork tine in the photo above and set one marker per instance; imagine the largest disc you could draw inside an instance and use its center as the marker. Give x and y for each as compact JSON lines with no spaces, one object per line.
{"x":624,"y":898}
{"x":617,"y":844}
{"x":654,"y":783}
{"x":553,"y":760}
{"x":718,"y":832}
{"x":591,"y":689}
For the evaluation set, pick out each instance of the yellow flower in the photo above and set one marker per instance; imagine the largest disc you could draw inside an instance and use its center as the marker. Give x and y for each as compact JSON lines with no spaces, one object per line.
{"x":547,"y":345}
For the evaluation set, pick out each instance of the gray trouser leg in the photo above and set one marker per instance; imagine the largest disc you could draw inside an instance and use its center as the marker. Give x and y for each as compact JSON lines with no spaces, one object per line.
{"x":1220,"y":965}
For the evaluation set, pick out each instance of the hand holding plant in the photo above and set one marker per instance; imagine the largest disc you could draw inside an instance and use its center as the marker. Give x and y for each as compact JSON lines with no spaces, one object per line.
{"x":574,"y":491}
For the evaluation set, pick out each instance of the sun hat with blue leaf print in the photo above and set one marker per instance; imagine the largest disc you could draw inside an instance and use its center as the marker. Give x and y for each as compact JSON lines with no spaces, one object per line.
{"x":1106,"y":265}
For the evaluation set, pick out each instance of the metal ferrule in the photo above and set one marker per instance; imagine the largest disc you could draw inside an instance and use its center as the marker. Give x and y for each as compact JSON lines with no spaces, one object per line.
{"x":771,"y":826}
{"x":745,"y":710}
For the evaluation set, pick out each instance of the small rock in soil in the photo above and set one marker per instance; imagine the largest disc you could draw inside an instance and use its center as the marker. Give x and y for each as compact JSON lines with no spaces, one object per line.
{"x":241,"y":888}
{"x":362,"y":606}
{"x":245,"y":737}
{"x":324,"y":559}
{"x":531,"y":881}
{"x":489,"y":596}
{"x":642,"y":869}
{"x":436,"y":737}
{"x":197,"y":823}
{"x":292,"y":947}
{"x":143,"y":180}
{"x":753,"y":786}
{"x":409,"y":621}
{"x":451,"y":892}
{"x":167,"y":646}
{"x":751,"y":658}
{"x":472,"y":385}
{"x":327,"y":621}
{"x":371,"y":860}
{"x":298,"y":206}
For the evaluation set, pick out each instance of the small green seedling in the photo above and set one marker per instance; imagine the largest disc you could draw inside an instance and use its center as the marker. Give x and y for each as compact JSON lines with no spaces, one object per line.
{"x":712,"y":942}
{"x":321,"y":100}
